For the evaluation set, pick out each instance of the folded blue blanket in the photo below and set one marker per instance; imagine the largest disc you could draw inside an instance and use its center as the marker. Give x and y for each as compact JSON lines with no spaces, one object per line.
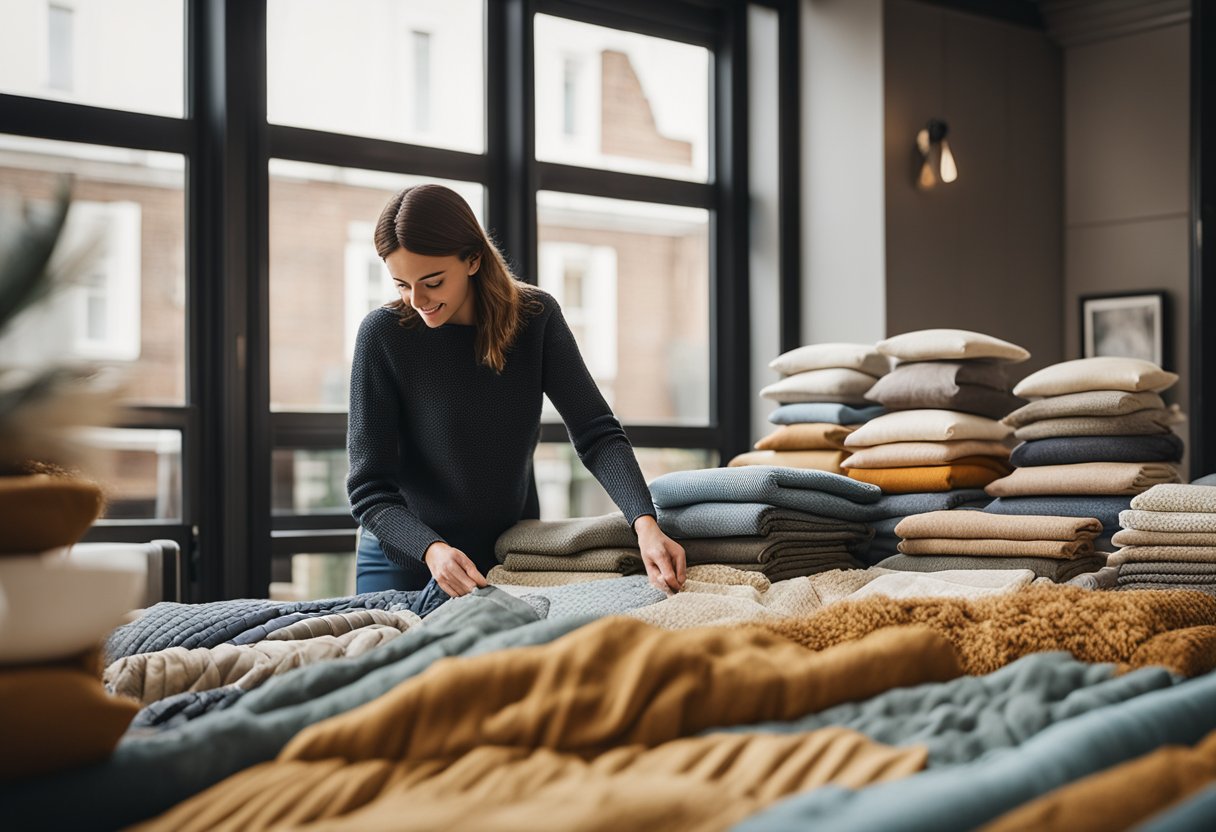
{"x":1067,"y":450}
{"x":797,"y":488}
{"x":901,"y":505}
{"x":836,"y":414}
{"x":1210,"y":479}
{"x":1196,"y":812}
{"x":1105,"y":508}
{"x":961,"y":720}
{"x":180,"y":708}
{"x":951,"y":798}
{"x":704,"y":520}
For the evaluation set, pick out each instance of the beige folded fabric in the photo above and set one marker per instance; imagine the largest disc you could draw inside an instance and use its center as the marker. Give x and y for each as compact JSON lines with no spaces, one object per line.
{"x":1104,"y":373}
{"x":833,"y":385}
{"x":1058,"y":549}
{"x":950,"y":583}
{"x":925,"y":426}
{"x":566,"y":537}
{"x":341,"y":623}
{"x":707,"y":604}
{"x":863,"y":357}
{"x":1156,"y":554}
{"x":817,"y":460}
{"x":947,"y":344}
{"x":1141,"y":423}
{"x":1169,"y":521}
{"x":1194,"y":498}
{"x":916,"y":454}
{"x":805,"y":436}
{"x":981,"y":525}
{"x":1085,"y":478}
{"x":1090,"y":403}
{"x":623,"y":561}
{"x":1136,"y":537}
{"x":501,"y":576}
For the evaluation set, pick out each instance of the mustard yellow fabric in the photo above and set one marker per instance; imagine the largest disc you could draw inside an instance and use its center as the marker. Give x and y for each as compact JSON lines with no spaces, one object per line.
{"x":805,"y":436}
{"x":968,"y":472}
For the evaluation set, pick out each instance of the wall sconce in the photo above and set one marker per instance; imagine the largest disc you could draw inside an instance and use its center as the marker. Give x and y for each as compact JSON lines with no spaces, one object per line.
{"x":936,"y":160}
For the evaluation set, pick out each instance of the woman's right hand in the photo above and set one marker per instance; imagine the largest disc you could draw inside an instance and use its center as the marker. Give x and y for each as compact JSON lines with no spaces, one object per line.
{"x":452,"y":569}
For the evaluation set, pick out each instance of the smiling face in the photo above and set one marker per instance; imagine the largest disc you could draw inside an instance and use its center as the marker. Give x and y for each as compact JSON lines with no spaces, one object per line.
{"x":438,"y":288}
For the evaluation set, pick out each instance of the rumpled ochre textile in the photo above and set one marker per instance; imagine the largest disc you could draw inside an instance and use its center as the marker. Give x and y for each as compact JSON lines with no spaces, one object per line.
{"x":501,"y":575}
{"x":1086,"y":478}
{"x":612,"y":683}
{"x":340,"y":623}
{"x":805,"y":436}
{"x":967,"y":472}
{"x":992,"y":632}
{"x":1060,"y":549}
{"x":1189,"y":652}
{"x":55,"y":717}
{"x":915,"y":454}
{"x":1140,"y":423}
{"x":699,"y":783}
{"x":1163,"y":554}
{"x":148,"y":677}
{"x":814,"y":460}
{"x":1057,"y":569}
{"x":40,"y":511}
{"x":1119,"y":797}
{"x":1187,"y":522}
{"x":1136,"y":537}
{"x":980,"y":525}
{"x":566,"y":537}
{"x":1197,"y":498}
{"x":622,"y":561}
{"x":1091,"y":403}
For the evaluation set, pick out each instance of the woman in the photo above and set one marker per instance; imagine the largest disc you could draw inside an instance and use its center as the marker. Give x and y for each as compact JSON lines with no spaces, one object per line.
{"x":445,"y":405}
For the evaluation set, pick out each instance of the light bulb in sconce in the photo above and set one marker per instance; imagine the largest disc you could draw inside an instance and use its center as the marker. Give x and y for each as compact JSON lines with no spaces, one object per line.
{"x":936,"y":162}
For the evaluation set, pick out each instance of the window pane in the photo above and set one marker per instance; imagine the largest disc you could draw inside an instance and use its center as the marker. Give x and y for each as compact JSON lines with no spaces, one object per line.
{"x":567,"y":489}
{"x":325,"y":275}
{"x":313,"y":576}
{"x":306,"y":481}
{"x":632,"y":279}
{"x":140,"y":471}
{"x":372,"y":68}
{"x":94,"y":52}
{"x":621,"y":101}
{"x":126,"y":307}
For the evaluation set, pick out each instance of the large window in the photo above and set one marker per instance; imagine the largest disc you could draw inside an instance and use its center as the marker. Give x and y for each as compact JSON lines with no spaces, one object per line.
{"x":231,"y":226}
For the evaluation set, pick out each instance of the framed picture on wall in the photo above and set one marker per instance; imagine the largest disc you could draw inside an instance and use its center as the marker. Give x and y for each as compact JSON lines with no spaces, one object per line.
{"x":1130,"y":325}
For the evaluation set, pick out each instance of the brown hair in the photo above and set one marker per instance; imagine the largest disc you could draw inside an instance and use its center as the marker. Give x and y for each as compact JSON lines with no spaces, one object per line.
{"x":436,"y":222}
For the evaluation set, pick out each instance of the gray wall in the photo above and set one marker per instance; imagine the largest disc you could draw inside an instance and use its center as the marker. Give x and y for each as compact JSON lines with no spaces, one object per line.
{"x":983,"y":253}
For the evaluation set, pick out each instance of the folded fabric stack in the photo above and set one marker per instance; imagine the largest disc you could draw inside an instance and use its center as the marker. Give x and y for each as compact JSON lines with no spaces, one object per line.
{"x":605,"y":544}
{"x":1168,"y":540}
{"x":783,"y":522}
{"x":1058,"y":548}
{"x":820,"y":396}
{"x":1096,"y":434}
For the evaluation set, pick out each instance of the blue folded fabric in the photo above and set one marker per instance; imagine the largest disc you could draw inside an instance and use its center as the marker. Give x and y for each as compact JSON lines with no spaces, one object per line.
{"x":901,"y":505}
{"x":963,"y":719}
{"x":836,"y":414}
{"x":964,"y":798}
{"x":1196,"y":812}
{"x":1105,"y":508}
{"x":815,"y":492}
{"x":1210,"y":479}
{"x":1069,"y":450}
{"x":739,"y":520}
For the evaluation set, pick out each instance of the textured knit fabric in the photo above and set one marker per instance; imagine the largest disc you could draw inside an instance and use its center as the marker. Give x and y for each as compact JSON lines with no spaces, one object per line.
{"x":1168,"y":567}
{"x":1090,"y":403}
{"x":596,"y":599}
{"x":1140,"y":423}
{"x":1166,"y":554}
{"x":1082,"y":375}
{"x":566,"y":537}
{"x":1195,"y":812}
{"x":978,"y":524}
{"x":785,"y":487}
{"x":1066,"y":450}
{"x":967,"y":472}
{"x":925,"y":426}
{"x":501,"y":575}
{"x":913,"y":454}
{"x":901,"y":505}
{"x":441,"y":447}
{"x":1057,"y":569}
{"x":950,"y":344}
{"x":863,"y":357}
{"x":834,"y":412}
{"x":1105,"y":508}
{"x":1084,"y":478}
{"x":1135,"y":537}
{"x":705,"y":604}
{"x":977,"y":583}
{"x":765,"y":548}
{"x":1177,"y":498}
{"x":815,"y":460}
{"x":624,"y":561}
{"x":747,"y":519}
{"x":1062,"y":549}
{"x":809,"y":436}
{"x":1187,"y":522}
{"x":1165,"y":585}
{"x":836,"y":385}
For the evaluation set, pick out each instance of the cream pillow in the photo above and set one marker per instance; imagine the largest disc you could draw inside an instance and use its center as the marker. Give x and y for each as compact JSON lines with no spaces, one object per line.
{"x":861,"y":357}
{"x":834,"y":385}
{"x":925,"y":426}
{"x":949,"y":344}
{"x":1132,"y":375}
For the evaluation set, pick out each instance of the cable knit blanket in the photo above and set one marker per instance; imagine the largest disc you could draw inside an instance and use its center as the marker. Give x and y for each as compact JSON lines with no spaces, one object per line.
{"x":991,"y":632}
{"x":1057,"y":569}
{"x":720,"y":519}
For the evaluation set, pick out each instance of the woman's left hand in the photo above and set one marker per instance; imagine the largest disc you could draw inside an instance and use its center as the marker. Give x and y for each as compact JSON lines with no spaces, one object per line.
{"x":662,"y":556}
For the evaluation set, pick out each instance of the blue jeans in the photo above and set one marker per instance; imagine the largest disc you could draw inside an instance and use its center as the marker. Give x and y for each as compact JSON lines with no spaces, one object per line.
{"x":374,"y":572}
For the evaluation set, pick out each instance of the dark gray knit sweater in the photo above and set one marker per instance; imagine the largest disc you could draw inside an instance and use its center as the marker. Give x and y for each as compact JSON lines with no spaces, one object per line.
{"x":441,"y":446}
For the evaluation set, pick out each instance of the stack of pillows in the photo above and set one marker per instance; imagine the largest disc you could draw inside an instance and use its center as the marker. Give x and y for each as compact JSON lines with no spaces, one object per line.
{"x":821,"y":396}
{"x":1096,"y":434}
{"x":1169,"y":539}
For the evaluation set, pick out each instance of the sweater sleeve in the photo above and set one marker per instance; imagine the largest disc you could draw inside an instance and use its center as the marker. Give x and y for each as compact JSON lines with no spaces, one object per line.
{"x":597,"y":436}
{"x":376,"y":500}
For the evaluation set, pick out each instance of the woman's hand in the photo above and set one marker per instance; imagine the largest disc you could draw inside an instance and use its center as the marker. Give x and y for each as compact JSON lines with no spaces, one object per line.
{"x":662,"y":556}
{"x":452,"y":569}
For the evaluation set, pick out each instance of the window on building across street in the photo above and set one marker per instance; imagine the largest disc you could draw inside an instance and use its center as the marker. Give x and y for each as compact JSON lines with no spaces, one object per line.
{"x":61,"y":46}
